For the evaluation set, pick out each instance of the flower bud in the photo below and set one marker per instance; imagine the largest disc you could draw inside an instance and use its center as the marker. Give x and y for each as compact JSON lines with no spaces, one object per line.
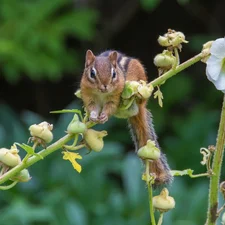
{"x":130,"y":89}
{"x":164,"y":59}
{"x":94,"y":139}
{"x":75,"y":126}
{"x":42,"y":130}
{"x":10,"y":157}
{"x":78,"y":93}
{"x":22,"y":176}
{"x":149,"y":151}
{"x":163,"y":202}
{"x":127,"y":109}
{"x":176,"y":38}
{"x":145,"y":90}
{"x":163,"y":41}
{"x":172,"y":38}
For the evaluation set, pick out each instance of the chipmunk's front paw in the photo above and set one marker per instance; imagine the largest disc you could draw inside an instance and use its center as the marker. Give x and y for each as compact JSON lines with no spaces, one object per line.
{"x":93,"y":116}
{"x":102,"y":118}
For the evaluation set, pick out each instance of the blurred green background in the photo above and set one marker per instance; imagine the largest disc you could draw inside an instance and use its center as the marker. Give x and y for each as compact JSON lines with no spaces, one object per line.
{"x":42,"y":49}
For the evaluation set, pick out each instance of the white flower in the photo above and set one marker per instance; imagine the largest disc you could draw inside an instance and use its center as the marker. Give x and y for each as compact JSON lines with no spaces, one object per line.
{"x":215,"y":69}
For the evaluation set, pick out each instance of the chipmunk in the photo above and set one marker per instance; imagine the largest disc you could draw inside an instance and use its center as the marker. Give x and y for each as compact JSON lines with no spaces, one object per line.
{"x":102,"y":83}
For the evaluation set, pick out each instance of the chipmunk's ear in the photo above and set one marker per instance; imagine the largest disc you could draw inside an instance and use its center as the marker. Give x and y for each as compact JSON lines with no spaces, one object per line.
{"x":113,"y":58}
{"x":90,"y":57}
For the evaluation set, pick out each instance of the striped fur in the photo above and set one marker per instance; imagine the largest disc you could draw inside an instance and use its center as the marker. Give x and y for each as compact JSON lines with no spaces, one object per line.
{"x":141,"y":125}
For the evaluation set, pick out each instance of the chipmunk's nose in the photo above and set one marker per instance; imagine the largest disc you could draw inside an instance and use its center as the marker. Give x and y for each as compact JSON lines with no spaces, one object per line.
{"x":104,"y":88}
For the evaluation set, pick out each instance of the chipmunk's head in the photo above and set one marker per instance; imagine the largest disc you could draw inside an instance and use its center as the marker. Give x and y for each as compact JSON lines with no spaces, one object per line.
{"x":102,"y":72}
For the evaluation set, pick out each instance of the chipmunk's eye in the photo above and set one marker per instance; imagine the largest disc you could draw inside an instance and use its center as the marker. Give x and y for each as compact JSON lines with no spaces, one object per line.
{"x":113,"y":73}
{"x":93,"y":73}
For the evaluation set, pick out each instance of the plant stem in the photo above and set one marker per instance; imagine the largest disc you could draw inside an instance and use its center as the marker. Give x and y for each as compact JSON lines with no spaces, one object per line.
{"x":216,"y":171}
{"x":42,"y":154}
{"x":149,"y":183}
{"x":160,"y":219}
{"x":177,"y":62}
{"x":7,"y":187}
{"x":176,"y":70}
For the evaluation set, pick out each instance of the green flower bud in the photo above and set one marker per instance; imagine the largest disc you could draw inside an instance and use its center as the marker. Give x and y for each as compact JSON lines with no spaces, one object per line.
{"x":149,"y":151}
{"x":94,"y":139}
{"x":10,"y":157}
{"x":127,"y":109}
{"x":163,"y":41}
{"x":78,"y":93}
{"x":163,"y":202}
{"x":164,"y":59}
{"x":130,"y":89}
{"x":75,"y":126}
{"x":22,"y":176}
{"x":145,"y":90}
{"x":42,"y":130}
{"x":176,"y":38}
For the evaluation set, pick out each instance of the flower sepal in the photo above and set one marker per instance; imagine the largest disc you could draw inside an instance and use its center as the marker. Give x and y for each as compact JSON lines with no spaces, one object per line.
{"x":76,"y":126}
{"x":94,"y":139}
{"x":163,"y":202}
{"x":10,"y":157}
{"x":42,"y":131}
{"x":149,"y":151}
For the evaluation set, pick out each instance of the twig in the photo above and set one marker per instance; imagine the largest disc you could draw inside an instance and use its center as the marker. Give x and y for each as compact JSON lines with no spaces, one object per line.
{"x":55,"y":146}
{"x":149,"y":184}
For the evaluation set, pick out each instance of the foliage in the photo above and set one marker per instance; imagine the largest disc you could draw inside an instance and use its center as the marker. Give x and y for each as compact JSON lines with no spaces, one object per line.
{"x":34,"y":37}
{"x":109,"y":189}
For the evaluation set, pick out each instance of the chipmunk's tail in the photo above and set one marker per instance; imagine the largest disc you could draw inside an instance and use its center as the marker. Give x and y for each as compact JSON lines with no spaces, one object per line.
{"x":142,"y":130}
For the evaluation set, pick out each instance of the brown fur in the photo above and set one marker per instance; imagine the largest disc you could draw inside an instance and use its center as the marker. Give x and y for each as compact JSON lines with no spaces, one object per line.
{"x":141,"y":124}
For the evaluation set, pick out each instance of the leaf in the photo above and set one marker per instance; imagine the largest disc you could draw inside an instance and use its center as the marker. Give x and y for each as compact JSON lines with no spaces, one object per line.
{"x":69,"y":111}
{"x":27,"y":148}
{"x":158,"y":94}
{"x":72,"y":156}
{"x":188,"y":172}
{"x":66,"y":111}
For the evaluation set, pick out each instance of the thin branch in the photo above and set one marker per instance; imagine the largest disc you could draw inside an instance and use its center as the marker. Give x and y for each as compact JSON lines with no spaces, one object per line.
{"x":179,"y":68}
{"x":42,"y":154}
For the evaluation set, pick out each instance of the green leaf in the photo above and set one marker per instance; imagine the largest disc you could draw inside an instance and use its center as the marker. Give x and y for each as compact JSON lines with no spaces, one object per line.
{"x":67,"y":111}
{"x":158,"y":94}
{"x":188,"y":172}
{"x":27,"y":148}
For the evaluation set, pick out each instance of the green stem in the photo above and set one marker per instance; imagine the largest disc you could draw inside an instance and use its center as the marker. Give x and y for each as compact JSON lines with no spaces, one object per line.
{"x":149,"y":183}
{"x":71,"y":148}
{"x":7,"y":187}
{"x":216,"y":171}
{"x":177,"y":62}
{"x":42,"y":154}
{"x":178,"y":69}
{"x":199,"y":175}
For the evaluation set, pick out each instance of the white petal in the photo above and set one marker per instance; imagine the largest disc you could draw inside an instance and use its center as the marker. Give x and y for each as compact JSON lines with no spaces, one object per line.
{"x":218,"y":48}
{"x":213,"y":67}
{"x":220,"y":82}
